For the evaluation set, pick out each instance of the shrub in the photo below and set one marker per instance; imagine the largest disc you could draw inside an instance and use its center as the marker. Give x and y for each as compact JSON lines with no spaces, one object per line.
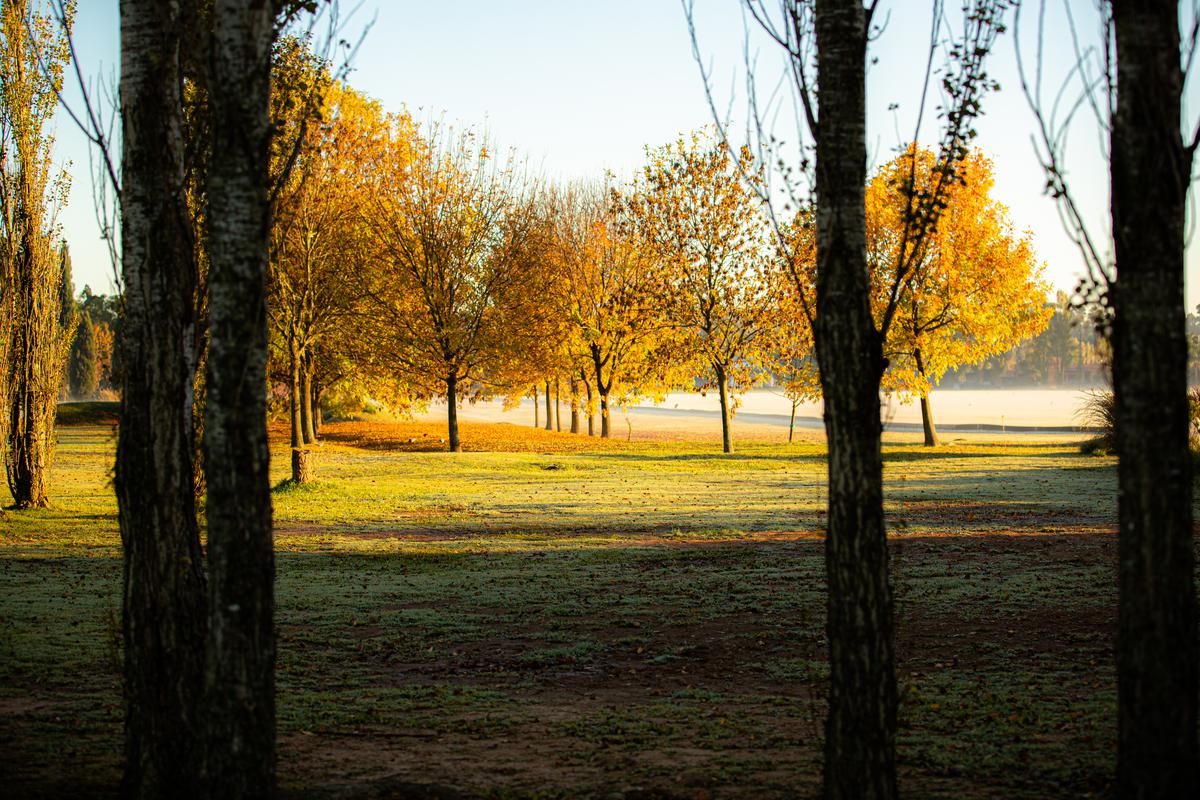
{"x":1099,"y":412}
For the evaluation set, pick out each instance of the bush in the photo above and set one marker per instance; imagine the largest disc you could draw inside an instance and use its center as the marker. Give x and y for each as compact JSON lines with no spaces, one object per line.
{"x":1099,"y":412}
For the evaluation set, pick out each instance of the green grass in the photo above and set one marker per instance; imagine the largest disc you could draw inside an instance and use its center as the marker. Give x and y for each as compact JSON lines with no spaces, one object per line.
{"x":532,"y":625}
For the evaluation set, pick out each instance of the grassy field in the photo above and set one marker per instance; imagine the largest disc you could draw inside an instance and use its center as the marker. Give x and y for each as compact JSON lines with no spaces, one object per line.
{"x":638,"y":620}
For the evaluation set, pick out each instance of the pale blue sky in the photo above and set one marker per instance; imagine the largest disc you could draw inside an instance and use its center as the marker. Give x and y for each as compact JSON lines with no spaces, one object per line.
{"x":580,"y":87}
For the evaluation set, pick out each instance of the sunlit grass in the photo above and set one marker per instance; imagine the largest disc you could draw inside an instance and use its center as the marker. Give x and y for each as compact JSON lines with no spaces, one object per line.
{"x":636,"y":613}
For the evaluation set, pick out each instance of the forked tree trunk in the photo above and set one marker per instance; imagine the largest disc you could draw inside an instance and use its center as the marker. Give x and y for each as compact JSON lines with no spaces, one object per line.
{"x":1157,"y":663}
{"x":931,"y":434}
{"x":163,"y":610}
{"x":722,"y":387}
{"x":860,"y":730}
{"x":549,"y":409}
{"x":452,"y":412}
{"x":240,"y":673}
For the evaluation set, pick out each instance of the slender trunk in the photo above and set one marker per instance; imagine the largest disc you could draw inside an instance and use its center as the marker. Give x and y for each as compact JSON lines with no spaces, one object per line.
{"x":240,"y":675}
{"x":1157,"y":654}
{"x":591,"y":414}
{"x":605,"y":430}
{"x":931,"y":434}
{"x":792,"y":421}
{"x":574,"y":406}
{"x":722,"y":388}
{"x":452,"y":412}
{"x":301,"y":469}
{"x":549,"y":409}
{"x":536,"y":409}
{"x":318,"y":417}
{"x":860,"y":731}
{"x":163,"y":609}
{"x":557,"y":407}
{"x":306,"y":405}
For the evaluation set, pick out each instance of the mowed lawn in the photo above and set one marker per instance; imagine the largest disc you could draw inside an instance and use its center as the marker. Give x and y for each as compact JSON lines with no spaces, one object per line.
{"x":587,"y":619}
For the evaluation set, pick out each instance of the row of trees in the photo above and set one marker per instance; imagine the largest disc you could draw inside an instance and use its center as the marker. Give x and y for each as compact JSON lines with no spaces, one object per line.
{"x":414,"y":263}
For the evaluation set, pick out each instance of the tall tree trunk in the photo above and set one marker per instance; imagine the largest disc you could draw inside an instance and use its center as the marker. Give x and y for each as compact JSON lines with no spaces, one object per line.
{"x":591,"y":414}
{"x":861,"y":727}
{"x":1157,"y":753}
{"x":792,"y":421}
{"x":452,"y":412}
{"x":306,"y":398}
{"x":301,"y":472}
{"x":574,"y":406}
{"x":557,"y":407}
{"x":163,"y":611}
{"x":549,"y":409}
{"x":605,"y":429}
{"x":931,"y":434}
{"x":536,"y":409}
{"x":722,"y":387}
{"x":240,"y":673}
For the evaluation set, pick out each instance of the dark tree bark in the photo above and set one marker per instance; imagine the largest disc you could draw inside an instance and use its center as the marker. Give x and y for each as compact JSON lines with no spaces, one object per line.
{"x":301,"y":471}
{"x":549,"y":409}
{"x":574,"y":406}
{"x":1157,"y":669}
{"x":861,"y":727}
{"x":452,"y":412}
{"x":931,"y":434}
{"x":723,"y":389}
{"x":536,"y":409}
{"x":163,"y":617}
{"x":240,"y":669}
{"x":591,"y":415}
{"x":306,"y":400}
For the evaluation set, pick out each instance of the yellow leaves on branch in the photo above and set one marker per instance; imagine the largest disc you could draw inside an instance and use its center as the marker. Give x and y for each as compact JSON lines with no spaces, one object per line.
{"x":969,"y":289}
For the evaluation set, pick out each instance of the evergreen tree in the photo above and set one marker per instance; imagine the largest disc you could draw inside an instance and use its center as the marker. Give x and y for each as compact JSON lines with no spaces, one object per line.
{"x":83,"y":369}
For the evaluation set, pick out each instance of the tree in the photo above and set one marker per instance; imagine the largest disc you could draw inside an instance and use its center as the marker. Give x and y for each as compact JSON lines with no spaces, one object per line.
{"x":38,"y":325}
{"x":707,"y":229}
{"x":457,"y":230}
{"x":861,"y":727}
{"x":319,"y":250}
{"x":83,"y":371}
{"x":975,"y":291}
{"x":1158,"y":656}
{"x":239,"y":686}
{"x":1136,"y":297}
{"x":164,"y":608}
{"x":608,"y":293}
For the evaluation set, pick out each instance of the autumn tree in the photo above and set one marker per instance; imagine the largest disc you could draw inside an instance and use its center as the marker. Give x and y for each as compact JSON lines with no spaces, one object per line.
{"x":706,"y":228}
{"x":457,"y":231}
{"x":37,"y":324}
{"x":320,"y":246}
{"x":975,"y":290}
{"x":609,"y":293}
